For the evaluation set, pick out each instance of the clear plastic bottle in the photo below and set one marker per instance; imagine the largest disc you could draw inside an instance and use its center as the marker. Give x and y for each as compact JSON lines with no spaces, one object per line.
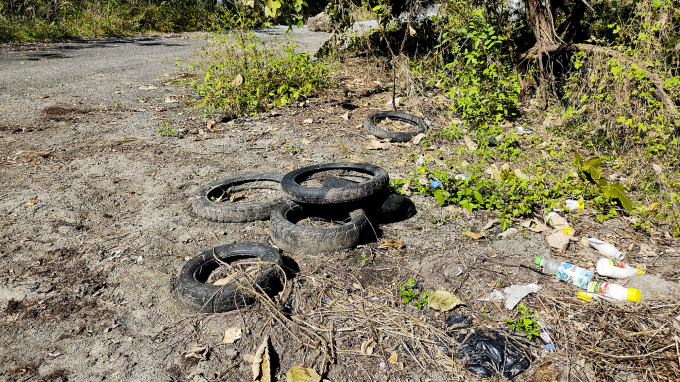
{"x":605,"y":248}
{"x":576,"y":275}
{"x":616,"y":269}
{"x":617,"y":292}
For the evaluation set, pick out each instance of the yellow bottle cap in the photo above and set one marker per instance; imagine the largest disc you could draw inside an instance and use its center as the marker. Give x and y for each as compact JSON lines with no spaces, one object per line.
{"x":640,"y":271}
{"x":634,"y":294}
{"x":581,"y":205}
{"x":584,"y":296}
{"x":569,"y":231}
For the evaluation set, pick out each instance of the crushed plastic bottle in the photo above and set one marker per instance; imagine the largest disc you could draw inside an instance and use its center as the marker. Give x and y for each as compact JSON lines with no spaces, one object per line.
{"x":544,"y":335}
{"x":614,"y":291}
{"x":573,"y":274}
{"x":462,"y":176}
{"x":605,"y":248}
{"x":558,"y":222}
{"x":568,"y":205}
{"x":420,"y":161}
{"x":616,"y":269}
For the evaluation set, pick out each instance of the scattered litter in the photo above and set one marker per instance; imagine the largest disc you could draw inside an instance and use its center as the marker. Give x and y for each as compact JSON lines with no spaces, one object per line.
{"x":568,"y":205}
{"x":455,"y":319}
{"x":495,"y":295}
{"x":443,"y":301}
{"x":617,"y":270}
{"x":508,"y":232}
{"x":397,"y":101}
{"x":307,"y":121}
{"x":522,"y":130}
{"x":436,"y":184}
{"x":367,"y":347}
{"x":382,"y":366}
{"x":615,"y":291}
{"x":605,"y":248}
{"x":140,"y":260}
{"x":544,"y":335}
{"x":420,"y":161}
{"x":517,"y":292}
{"x":558,"y":222}
{"x":302,"y":374}
{"x":430,"y":123}
{"x":485,"y":353}
{"x":565,"y":271}
{"x":462,"y":176}
{"x":231,"y":335}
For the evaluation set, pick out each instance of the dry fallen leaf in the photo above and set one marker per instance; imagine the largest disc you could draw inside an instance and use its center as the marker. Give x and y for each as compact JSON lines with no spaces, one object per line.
{"x":238,"y":81}
{"x":475,"y":236}
{"x":538,"y":227}
{"x":31,"y":202}
{"x":210,"y":124}
{"x":262,"y":371}
{"x":394,"y":360}
{"x":558,"y":240}
{"x":367,"y":347}
{"x":375,"y":144}
{"x":231,"y":335}
{"x":198,"y":352}
{"x":307,"y":121}
{"x":653,"y":207}
{"x":237,"y":197}
{"x":411,"y":31}
{"x":443,"y":301}
{"x":345,"y":116}
{"x":494,"y":172}
{"x":392,"y":244}
{"x":489,"y":224}
{"x":224,"y":281}
{"x":302,"y":374}
{"x":472,"y":146}
{"x":416,"y":140}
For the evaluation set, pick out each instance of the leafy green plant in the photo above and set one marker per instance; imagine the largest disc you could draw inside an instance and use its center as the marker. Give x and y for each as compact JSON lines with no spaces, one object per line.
{"x":241,"y":73}
{"x":409,"y":293}
{"x":291,"y":149}
{"x":526,"y":321}
{"x":165,"y":130}
{"x":591,"y":171}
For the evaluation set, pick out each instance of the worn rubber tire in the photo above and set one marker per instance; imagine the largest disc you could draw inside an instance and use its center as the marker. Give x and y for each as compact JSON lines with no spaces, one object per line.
{"x":325,"y":195}
{"x":383,"y":207}
{"x":372,"y":120}
{"x":290,"y":237}
{"x":208,"y":298}
{"x":239,"y":212}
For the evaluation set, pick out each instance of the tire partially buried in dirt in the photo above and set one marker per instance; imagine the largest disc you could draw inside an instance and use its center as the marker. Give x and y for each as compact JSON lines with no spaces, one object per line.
{"x":289,"y":236}
{"x":372,"y":120}
{"x":291,"y":184}
{"x":238,"y":212}
{"x":207,"y":298}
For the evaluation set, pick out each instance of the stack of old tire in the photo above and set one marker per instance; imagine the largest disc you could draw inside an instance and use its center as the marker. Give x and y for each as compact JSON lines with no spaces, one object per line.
{"x":355,"y":208}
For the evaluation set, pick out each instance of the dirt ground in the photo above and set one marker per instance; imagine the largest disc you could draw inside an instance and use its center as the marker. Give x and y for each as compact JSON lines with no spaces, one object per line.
{"x":96,"y":222}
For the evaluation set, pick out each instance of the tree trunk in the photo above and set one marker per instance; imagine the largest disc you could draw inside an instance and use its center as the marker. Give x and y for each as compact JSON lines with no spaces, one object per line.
{"x":543,"y":26}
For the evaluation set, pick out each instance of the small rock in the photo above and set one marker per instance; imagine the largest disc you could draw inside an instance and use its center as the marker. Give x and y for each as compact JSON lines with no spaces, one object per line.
{"x":508,"y":232}
{"x":320,"y":23}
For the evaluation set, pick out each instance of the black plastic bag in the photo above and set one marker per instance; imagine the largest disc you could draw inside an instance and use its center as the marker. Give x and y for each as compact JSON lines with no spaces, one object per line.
{"x":489,"y":353}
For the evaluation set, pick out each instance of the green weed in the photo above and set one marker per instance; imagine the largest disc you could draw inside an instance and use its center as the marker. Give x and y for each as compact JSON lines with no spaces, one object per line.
{"x":526,"y":321}
{"x":409,"y":293}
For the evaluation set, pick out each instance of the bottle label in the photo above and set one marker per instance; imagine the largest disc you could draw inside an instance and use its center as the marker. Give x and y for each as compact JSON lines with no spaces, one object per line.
{"x":618,"y":265}
{"x":575,"y":275}
{"x":596,"y":287}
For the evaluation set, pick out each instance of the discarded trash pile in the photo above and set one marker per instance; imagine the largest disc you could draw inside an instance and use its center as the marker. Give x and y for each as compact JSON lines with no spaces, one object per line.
{"x":340,"y":209}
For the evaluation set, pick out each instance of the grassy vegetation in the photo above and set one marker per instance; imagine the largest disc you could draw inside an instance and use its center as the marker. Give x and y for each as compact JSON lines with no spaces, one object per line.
{"x":240,"y":73}
{"x":22,"y":21}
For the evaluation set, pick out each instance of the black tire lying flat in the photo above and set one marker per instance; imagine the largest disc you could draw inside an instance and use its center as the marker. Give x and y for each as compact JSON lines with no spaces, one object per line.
{"x":325,"y":195}
{"x":290,"y":237}
{"x":237,"y":212}
{"x":207,"y":298}
{"x":383,"y":207}
{"x":372,"y":120}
